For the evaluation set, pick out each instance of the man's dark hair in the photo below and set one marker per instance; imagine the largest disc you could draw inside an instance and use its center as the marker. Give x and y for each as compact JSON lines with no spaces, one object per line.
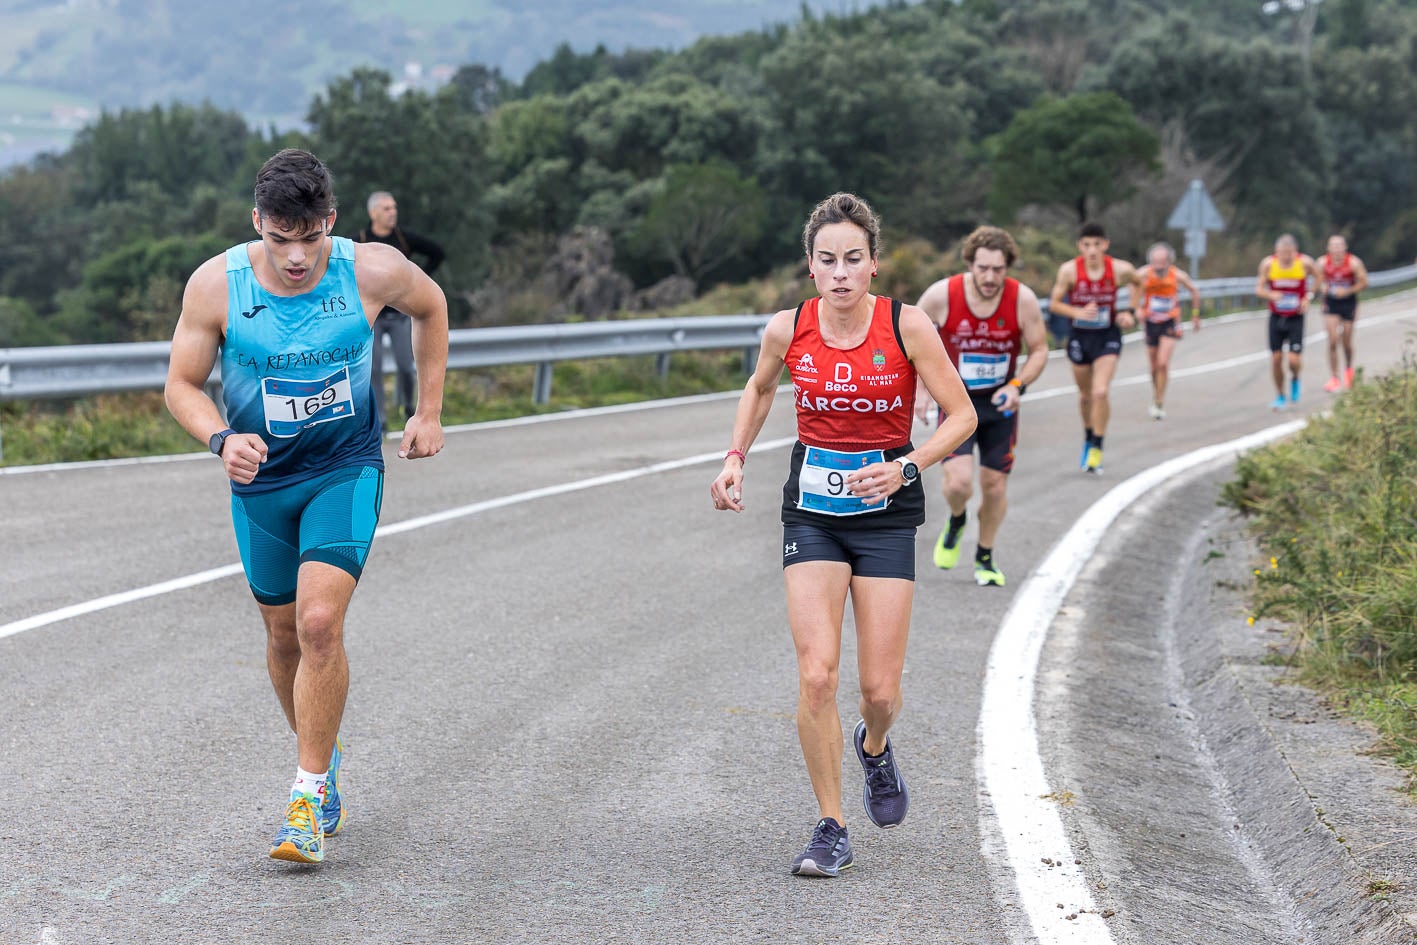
{"x":1092,"y":228}
{"x":295,"y":189}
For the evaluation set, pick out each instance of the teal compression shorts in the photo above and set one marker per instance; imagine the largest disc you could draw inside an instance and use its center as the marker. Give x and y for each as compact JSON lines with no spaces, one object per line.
{"x":329,"y":518}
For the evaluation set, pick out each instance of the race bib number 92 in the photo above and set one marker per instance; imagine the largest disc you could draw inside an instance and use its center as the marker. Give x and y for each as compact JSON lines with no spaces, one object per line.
{"x":821,"y":484}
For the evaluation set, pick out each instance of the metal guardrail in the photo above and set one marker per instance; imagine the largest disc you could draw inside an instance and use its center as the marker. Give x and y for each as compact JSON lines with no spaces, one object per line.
{"x":80,"y":370}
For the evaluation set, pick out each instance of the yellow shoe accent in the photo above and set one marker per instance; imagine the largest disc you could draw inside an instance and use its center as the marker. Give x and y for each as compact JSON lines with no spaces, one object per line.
{"x":300,"y":840}
{"x":1094,"y":459}
{"x":947,"y":556}
{"x":984,"y":575}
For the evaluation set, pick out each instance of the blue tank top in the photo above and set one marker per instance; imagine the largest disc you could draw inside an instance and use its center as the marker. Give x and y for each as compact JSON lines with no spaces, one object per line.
{"x":295,"y":371}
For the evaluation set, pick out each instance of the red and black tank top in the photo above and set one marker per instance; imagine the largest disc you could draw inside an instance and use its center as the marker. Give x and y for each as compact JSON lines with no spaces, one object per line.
{"x":857,"y":398}
{"x":1340,"y":276}
{"x":984,"y":349}
{"x":1102,"y":291}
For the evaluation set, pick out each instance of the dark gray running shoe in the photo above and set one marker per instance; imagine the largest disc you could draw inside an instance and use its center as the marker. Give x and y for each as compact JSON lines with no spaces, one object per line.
{"x":885,"y":797}
{"x":828,"y":852}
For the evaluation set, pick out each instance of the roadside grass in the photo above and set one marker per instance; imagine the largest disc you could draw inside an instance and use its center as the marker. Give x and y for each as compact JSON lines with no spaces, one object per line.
{"x":1335,"y":512}
{"x":113,"y":426}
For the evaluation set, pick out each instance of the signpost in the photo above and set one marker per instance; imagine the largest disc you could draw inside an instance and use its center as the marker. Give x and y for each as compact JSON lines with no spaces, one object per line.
{"x":1196,"y":214}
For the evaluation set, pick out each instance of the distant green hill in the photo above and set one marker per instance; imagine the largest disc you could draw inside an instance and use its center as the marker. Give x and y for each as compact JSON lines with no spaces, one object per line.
{"x":266,"y":60}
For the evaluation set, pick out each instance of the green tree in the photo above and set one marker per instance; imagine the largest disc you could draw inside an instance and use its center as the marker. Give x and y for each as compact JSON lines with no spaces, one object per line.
{"x":429,"y":150}
{"x":706,"y":215}
{"x":1078,"y":152}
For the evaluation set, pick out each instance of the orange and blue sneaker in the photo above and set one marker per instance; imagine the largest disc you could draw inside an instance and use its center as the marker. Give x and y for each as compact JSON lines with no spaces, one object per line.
{"x":332,"y":811}
{"x":300,"y":839}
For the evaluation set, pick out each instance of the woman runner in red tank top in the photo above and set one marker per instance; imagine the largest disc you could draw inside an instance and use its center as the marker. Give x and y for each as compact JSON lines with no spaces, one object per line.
{"x":851,"y":503}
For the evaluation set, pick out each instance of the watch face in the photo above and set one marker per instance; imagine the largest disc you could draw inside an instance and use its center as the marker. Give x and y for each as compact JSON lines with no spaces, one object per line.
{"x":216,"y":442}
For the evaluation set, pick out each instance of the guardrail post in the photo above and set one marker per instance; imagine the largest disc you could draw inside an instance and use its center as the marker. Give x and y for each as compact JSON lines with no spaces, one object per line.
{"x":750,"y":360}
{"x":661,"y":364}
{"x":2,"y":446}
{"x":541,"y":388}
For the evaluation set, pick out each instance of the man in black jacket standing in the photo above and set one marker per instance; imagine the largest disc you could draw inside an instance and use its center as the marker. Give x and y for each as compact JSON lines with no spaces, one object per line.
{"x":384,"y":228}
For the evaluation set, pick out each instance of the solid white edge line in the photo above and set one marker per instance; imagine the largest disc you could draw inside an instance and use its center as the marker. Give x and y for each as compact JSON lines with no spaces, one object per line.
{"x":1015,"y":817}
{"x":531,"y":495}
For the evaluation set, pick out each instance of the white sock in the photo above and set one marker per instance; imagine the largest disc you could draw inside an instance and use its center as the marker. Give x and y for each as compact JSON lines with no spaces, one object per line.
{"x":307,"y":782}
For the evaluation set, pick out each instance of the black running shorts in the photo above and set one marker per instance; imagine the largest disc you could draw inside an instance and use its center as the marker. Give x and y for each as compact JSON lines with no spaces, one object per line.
{"x":1288,"y":331}
{"x":1345,"y":309}
{"x":1088,"y":344}
{"x":995,"y":436}
{"x":871,"y":552}
{"x":1155,"y":331}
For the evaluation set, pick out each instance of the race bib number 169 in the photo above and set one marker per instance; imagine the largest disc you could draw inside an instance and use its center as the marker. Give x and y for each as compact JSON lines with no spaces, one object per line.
{"x":291,"y":406}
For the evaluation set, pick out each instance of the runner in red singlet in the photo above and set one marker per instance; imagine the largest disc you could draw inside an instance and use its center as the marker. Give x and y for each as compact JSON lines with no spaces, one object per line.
{"x":1344,"y":277}
{"x":852,"y":501}
{"x":1160,"y":308}
{"x":986,"y":319}
{"x":1086,"y":292}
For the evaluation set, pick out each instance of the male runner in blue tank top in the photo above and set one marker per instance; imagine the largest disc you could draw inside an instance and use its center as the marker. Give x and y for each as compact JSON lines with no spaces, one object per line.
{"x":290,"y":316}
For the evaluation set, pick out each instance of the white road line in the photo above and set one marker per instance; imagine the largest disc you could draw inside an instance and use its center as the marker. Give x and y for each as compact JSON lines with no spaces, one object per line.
{"x":408,"y":525}
{"x":1020,"y":825}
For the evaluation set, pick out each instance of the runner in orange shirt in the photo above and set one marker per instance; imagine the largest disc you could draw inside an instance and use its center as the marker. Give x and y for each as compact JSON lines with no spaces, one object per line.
{"x":1159,"y":306}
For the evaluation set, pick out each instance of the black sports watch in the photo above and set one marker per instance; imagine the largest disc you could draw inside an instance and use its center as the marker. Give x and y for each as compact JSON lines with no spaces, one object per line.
{"x":218,"y":440}
{"x":908,"y":470}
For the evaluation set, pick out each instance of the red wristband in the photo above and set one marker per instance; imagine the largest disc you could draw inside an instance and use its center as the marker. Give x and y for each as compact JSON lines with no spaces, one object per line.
{"x":742,"y":458}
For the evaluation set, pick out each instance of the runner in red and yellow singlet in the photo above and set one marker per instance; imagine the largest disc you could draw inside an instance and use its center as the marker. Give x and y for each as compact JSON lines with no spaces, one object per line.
{"x":1160,"y":308}
{"x":852,"y":501}
{"x":986,"y":320}
{"x":1284,"y":283}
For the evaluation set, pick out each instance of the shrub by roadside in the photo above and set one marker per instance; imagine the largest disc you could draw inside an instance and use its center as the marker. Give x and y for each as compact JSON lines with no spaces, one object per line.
{"x":1335,"y":511}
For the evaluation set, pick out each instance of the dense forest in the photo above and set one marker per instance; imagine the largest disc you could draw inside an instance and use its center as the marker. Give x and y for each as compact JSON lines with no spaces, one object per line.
{"x":614,"y":182}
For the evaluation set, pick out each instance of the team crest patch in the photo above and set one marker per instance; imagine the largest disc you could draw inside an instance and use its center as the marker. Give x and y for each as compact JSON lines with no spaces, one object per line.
{"x":878,"y":358}
{"x":1000,"y":323}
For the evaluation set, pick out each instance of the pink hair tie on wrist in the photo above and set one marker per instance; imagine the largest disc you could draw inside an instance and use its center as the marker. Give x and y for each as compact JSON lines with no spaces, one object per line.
{"x":742,"y":458}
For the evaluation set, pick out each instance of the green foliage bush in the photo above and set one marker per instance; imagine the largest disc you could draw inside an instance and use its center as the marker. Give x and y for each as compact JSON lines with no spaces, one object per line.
{"x":1335,"y":511}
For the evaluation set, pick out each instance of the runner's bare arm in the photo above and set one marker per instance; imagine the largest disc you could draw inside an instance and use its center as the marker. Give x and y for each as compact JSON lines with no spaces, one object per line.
{"x":1126,"y":274}
{"x":388,"y":278}
{"x":1360,"y":277}
{"x":753,"y":407}
{"x":1316,"y":273}
{"x":1184,"y":278}
{"x":1262,"y":282}
{"x":1035,"y":336}
{"x":927,"y":352}
{"x":1062,"y":285}
{"x":935,"y":303}
{"x":195,"y":344}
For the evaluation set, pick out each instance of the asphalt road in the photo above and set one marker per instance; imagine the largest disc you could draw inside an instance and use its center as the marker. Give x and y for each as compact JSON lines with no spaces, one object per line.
{"x":571,"y":713}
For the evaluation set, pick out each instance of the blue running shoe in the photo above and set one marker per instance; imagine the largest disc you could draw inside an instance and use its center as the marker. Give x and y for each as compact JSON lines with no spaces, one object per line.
{"x":332,"y":811}
{"x":885,"y":797}
{"x":300,"y":840}
{"x":1278,"y":403}
{"x":827,"y":853}
{"x":1293,"y":390}
{"x":1082,"y":460}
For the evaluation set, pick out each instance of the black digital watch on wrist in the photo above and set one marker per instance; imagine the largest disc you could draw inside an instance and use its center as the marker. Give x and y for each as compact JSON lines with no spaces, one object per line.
{"x":218,"y":440}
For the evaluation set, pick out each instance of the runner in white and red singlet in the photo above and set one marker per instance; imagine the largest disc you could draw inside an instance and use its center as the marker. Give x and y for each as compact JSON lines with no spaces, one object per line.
{"x":852,"y":501}
{"x":986,"y":320}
